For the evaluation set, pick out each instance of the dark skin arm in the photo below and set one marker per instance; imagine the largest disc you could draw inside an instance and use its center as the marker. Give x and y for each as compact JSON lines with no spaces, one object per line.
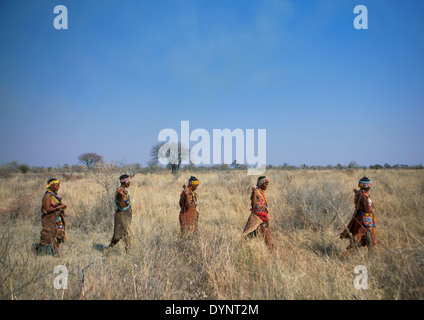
{"x":50,"y":205}
{"x":364,"y":201}
{"x":254,"y":199}
{"x":121,"y":194}
{"x":120,"y":198}
{"x":188,"y":198}
{"x":193,"y":188}
{"x":182,"y":200}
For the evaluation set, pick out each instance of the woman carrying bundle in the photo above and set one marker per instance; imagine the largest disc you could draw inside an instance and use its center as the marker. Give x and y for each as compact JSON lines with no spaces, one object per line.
{"x":123,"y":214}
{"x":258,"y":222}
{"x":360,"y":229}
{"x":52,"y":218}
{"x":189,"y":216}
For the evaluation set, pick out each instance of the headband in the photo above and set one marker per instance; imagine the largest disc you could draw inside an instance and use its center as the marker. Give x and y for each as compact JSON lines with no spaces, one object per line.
{"x":262,"y":181}
{"x":125,"y":180}
{"x":193,"y":182}
{"x":52,"y":183}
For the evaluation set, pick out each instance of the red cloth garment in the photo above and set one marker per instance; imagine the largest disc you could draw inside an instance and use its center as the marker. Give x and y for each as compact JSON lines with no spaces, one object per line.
{"x":359,"y":224}
{"x":189,"y":216}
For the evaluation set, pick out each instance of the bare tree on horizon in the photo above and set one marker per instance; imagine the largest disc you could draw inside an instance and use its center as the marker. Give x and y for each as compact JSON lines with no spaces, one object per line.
{"x":89,"y":159}
{"x":163,"y":150}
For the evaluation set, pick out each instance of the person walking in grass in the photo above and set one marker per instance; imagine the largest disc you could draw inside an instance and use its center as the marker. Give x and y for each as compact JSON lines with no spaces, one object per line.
{"x":360,"y":229}
{"x":258,"y":221}
{"x":189,"y":216}
{"x":122,"y":215}
{"x":52,"y":218}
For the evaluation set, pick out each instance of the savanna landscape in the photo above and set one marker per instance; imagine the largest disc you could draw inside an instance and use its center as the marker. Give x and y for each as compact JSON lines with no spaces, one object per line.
{"x":308,"y":209}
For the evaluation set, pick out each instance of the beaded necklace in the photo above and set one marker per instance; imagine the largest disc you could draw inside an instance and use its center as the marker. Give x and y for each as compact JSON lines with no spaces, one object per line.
{"x":56,"y":198}
{"x":263,"y":195}
{"x":194,"y":198}
{"x":127,"y":199}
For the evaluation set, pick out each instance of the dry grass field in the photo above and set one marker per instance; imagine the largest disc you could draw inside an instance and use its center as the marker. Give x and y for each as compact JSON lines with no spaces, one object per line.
{"x":308,"y":209}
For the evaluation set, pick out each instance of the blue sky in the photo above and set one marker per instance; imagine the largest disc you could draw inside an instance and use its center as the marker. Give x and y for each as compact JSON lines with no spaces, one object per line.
{"x":124,"y":70}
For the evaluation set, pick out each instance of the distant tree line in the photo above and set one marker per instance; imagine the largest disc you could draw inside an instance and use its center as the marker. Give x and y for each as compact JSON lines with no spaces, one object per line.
{"x":93,"y":162}
{"x":8,"y":169}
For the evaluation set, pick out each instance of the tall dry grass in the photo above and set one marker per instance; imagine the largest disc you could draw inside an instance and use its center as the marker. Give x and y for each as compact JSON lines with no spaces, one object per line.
{"x":308,"y":210}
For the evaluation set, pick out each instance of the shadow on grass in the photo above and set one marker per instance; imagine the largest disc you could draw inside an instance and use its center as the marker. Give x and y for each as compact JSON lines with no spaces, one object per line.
{"x":99,"y":247}
{"x":328,"y":249}
{"x":46,"y":250}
